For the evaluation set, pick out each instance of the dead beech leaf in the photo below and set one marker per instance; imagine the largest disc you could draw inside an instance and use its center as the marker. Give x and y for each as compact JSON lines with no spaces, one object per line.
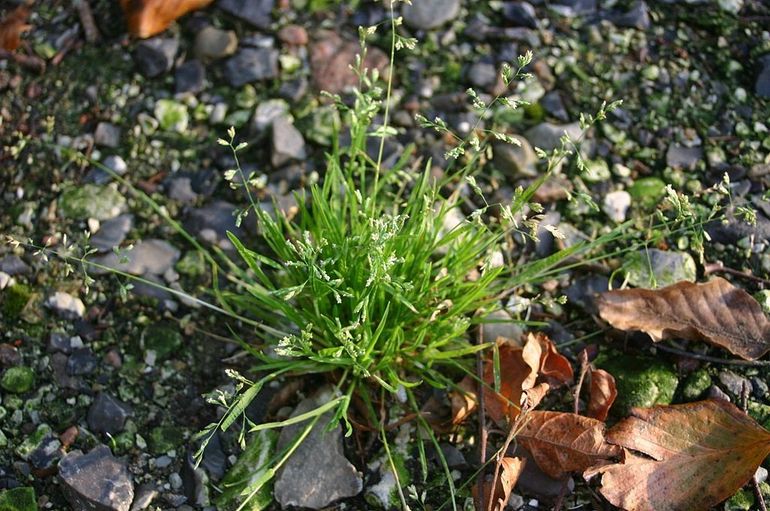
{"x":561,"y":442}
{"x":149,"y":17}
{"x":715,"y":312}
{"x":510,"y":470}
{"x":463,"y":400}
{"x":12,"y":26}
{"x":554,"y":366}
{"x":602,"y":394}
{"x":699,"y":454}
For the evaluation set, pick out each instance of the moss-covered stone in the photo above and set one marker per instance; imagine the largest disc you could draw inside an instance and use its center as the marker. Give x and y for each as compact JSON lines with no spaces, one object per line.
{"x":165,"y":438}
{"x":760,"y":413}
{"x":192,"y":264}
{"x":18,"y":499}
{"x":741,"y":501}
{"x":647,"y":191}
{"x":18,"y":379}
{"x":33,"y":441}
{"x":240,"y":482}
{"x":653,"y":268}
{"x":696,"y":384}
{"x":641,"y":381}
{"x":91,"y":201}
{"x":15,"y":298}
{"x":162,"y":339}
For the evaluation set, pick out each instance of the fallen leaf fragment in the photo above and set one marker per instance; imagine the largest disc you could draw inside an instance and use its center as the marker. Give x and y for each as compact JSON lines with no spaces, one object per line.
{"x":149,"y":17}
{"x":699,"y":454}
{"x":715,"y":312}
{"x":561,"y":442}
{"x":602,"y":394}
{"x":12,"y":26}
{"x":510,"y":470}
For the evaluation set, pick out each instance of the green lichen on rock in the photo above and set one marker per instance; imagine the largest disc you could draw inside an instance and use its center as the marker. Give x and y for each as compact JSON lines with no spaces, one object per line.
{"x":171,"y":115}
{"x":240,"y":482}
{"x":759,"y":412}
{"x":18,"y":379}
{"x":652,"y":268}
{"x":91,"y":201}
{"x":162,"y":339}
{"x":33,"y":441}
{"x":647,"y":191}
{"x":384,"y":494}
{"x":14,"y":299}
{"x":641,"y":382}
{"x":18,"y":499}
{"x":696,"y":384}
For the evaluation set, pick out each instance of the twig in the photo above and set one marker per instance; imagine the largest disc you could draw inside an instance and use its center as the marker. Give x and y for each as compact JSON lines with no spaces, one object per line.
{"x":713,"y":360}
{"x":720,"y":268}
{"x":87,"y":20}
{"x":482,"y":422}
{"x":754,"y":483}
{"x":583,"y":357}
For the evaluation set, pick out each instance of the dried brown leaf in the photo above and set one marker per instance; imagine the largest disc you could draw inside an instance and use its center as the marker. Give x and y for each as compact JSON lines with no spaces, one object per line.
{"x":715,"y":312}
{"x":602,"y":395}
{"x":510,"y":470}
{"x":12,"y":26}
{"x":561,"y":442}
{"x":147,"y":18}
{"x":699,"y":454}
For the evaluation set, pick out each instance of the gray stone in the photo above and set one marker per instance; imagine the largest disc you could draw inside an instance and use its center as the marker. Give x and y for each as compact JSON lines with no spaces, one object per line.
{"x":60,"y":341}
{"x":256,"y":12}
{"x":96,"y":481}
{"x":267,"y":112}
{"x":520,"y":14}
{"x":680,"y":157}
{"x":107,"y":414}
{"x":190,"y":77}
{"x":762,"y":87}
{"x":583,"y":291}
{"x":47,"y":453}
{"x":155,"y":56}
{"x":100,"y":176}
{"x":107,"y":135}
{"x":515,"y":161}
{"x":14,"y":265}
{"x":212,"y":43}
{"x":318,"y":473}
{"x":734,"y":383}
{"x":572,"y":8}
{"x":499,"y":323}
{"x":429,"y":14}
{"x":145,"y":494}
{"x":546,"y":135}
{"x":66,"y":305}
{"x":482,"y":75}
{"x":180,"y":189}
{"x":288,"y":144}
{"x":81,"y":361}
{"x":553,"y":104}
{"x":251,"y":65}
{"x":112,"y":232}
{"x":195,"y":481}
{"x":152,"y":256}
{"x":211,"y":223}
{"x":637,"y":17}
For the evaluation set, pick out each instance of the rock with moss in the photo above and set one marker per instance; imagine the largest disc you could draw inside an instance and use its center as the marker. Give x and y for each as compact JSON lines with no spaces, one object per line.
{"x":18,"y":499}
{"x":241,"y":485}
{"x":653,"y":268}
{"x":696,"y":384}
{"x":91,"y":201}
{"x":647,"y":191}
{"x":383,"y":493}
{"x":34,"y":441}
{"x":641,"y":381}
{"x":165,"y":438}
{"x":171,"y":115}
{"x":760,"y":412}
{"x":18,"y":379}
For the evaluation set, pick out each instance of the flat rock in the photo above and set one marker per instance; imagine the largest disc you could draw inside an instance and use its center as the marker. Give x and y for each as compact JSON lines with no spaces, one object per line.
{"x":255,"y":12}
{"x":546,"y":135}
{"x":14,"y":265}
{"x":650,"y":268}
{"x":96,"y":481}
{"x":155,"y":56}
{"x":429,"y":14}
{"x":107,"y":414}
{"x":318,"y":473}
{"x":190,"y":77}
{"x":112,"y":232}
{"x":66,"y":305}
{"x":251,"y":65}
{"x":616,"y":205}
{"x":91,"y":201}
{"x":152,"y":256}
{"x":211,"y":222}
{"x":107,"y":135}
{"x":288,"y":144}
